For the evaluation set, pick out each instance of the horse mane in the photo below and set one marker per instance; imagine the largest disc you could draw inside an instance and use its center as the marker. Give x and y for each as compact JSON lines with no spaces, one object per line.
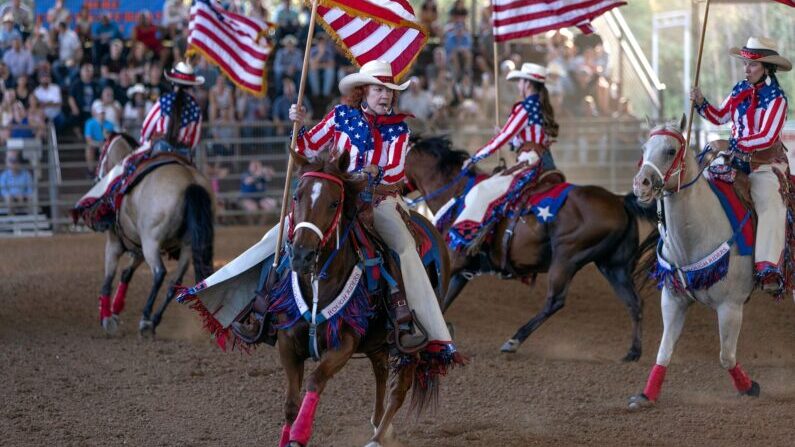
{"x":132,"y":142}
{"x":441,"y":148}
{"x":327,"y":164}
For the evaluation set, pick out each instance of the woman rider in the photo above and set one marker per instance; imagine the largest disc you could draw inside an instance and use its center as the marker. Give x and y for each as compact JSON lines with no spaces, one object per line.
{"x":757,"y":109}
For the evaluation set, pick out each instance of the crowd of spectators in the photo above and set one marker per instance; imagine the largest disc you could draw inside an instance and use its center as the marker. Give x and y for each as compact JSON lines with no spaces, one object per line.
{"x":83,"y":75}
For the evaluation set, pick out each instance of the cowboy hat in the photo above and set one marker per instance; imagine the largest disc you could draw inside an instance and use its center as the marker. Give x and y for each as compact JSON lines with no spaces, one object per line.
{"x":182,"y":73}
{"x":137,"y":88}
{"x":531,"y":72}
{"x":372,"y":73}
{"x":761,"y":49}
{"x":289,"y":39}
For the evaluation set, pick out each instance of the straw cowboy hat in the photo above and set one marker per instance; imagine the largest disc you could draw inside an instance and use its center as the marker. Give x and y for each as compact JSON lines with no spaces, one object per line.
{"x":761,"y":49}
{"x":531,"y":72}
{"x":372,"y":73}
{"x":182,"y":73}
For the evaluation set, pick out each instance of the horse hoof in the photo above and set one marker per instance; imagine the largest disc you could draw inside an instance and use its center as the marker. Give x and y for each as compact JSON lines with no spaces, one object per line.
{"x":632,"y":356}
{"x":111,"y":325}
{"x":511,"y":346}
{"x":639,"y":402}
{"x":146,"y":329}
{"x":295,"y":444}
{"x":753,"y":391}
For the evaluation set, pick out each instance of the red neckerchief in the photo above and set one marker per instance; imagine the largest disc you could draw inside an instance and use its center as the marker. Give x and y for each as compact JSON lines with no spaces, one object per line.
{"x":750,"y":113}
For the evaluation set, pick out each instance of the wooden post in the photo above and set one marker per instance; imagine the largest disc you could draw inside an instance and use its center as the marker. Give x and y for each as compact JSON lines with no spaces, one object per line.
{"x":296,"y":126}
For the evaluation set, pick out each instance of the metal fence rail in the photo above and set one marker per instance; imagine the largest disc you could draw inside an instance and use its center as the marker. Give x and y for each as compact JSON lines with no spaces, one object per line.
{"x":598,"y":151}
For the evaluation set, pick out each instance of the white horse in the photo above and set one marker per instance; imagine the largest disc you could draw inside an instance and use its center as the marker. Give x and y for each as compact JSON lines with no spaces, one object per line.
{"x":698,"y":236}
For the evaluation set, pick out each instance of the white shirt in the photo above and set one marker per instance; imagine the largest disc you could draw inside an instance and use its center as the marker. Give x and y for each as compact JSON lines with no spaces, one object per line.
{"x":49,"y":94}
{"x":68,"y":43}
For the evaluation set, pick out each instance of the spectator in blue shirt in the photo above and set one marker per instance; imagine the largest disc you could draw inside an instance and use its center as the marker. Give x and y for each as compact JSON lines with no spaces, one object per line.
{"x":18,"y":59}
{"x":252,"y":189}
{"x":102,"y":33}
{"x":288,"y":61}
{"x":8,"y":33}
{"x":282,"y":103}
{"x":95,"y":131}
{"x":16,"y":184}
{"x":458,"y":46}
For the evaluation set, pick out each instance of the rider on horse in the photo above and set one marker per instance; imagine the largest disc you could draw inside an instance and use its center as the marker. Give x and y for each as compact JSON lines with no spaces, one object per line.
{"x":530,"y":129}
{"x":757,"y":108}
{"x":376,"y":139}
{"x":160,"y":129}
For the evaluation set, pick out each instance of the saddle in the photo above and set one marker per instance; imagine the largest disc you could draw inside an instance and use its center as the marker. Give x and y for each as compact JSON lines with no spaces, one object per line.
{"x":735,"y":181}
{"x":546,"y":181}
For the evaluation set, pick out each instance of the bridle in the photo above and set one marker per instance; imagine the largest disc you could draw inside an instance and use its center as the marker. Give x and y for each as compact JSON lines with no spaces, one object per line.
{"x":323,"y":236}
{"x":678,"y":166}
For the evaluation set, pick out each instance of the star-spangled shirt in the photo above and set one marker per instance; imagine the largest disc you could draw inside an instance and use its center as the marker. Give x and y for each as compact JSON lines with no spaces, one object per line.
{"x":524,"y":125}
{"x":750,"y":131}
{"x":156,"y":121}
{"x":347,"y":129}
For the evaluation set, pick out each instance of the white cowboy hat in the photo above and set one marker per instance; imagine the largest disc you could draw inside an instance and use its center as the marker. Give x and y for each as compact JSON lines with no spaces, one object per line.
{"x":182,"y":73}
{"x":532,"y":72}
{"x":761,"y":49}
{"x":374,"y":72}
{"x":137,"y":88}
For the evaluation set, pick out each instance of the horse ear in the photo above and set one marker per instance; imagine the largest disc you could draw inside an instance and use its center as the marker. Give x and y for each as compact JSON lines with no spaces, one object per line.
{"x":343,"y":160}
{"x":683,"y":123}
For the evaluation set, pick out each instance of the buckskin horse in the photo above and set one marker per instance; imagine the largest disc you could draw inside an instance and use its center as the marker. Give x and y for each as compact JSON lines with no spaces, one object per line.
{"x":168,"y":210}
{"x":700,"y":255}
{"x":348,"y":319}
{"x":593,"y":225}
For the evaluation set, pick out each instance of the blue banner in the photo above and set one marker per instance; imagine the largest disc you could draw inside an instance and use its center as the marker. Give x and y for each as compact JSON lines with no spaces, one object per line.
{"x":123,"y":12}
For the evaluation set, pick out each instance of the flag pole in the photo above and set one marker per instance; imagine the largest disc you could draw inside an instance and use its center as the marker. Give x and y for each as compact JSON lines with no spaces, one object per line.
{"x":296,"y":125}
{"x":698,"y":72}
{"x":496,"y":51}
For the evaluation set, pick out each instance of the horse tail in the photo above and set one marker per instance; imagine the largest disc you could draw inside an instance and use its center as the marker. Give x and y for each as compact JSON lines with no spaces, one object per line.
{"x":199,"y":224}
{"x":643,"y":258}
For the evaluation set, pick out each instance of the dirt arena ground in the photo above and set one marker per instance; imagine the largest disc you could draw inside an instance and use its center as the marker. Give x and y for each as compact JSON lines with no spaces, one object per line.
{"x":65,"y":383}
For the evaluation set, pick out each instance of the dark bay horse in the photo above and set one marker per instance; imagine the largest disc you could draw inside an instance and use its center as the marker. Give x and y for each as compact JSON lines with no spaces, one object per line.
{"x":169,"y":211}
{"x":593,"y":225}
{"x":325,"y":200}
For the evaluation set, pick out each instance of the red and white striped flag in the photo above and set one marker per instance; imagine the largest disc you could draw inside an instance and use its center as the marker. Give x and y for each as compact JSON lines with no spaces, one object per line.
{"x":512,"y":19}
{"x":369,"y":30}
{"x":787,"y":2}
{"x":236,"y":44}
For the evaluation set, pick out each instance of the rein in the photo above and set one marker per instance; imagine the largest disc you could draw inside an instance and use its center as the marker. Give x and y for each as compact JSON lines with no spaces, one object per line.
{"x":323,"y":236}
{"x":436,"y":193}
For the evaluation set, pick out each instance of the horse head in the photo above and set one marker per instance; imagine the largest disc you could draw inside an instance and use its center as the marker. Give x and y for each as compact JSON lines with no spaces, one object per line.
{"x":325,"y":196}
{"x":433,"y":162}
{"x":117,"y":146}
{"x":664,"y":164}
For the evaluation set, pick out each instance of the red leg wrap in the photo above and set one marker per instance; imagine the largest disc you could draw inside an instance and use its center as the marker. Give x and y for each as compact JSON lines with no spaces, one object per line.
{"x":104,"y":307}
{"x":741,"y":380}
{"x":654,"y":384}
{"x":118,"y":299}
{"x":285,"y":439}
{"x":301,"y":430}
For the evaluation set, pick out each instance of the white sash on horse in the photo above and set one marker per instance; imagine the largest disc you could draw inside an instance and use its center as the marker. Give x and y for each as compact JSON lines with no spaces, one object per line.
{"x":101,"y":187}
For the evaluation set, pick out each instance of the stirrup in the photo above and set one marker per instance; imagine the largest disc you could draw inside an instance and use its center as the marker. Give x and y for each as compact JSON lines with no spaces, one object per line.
{"x":395,"y":335}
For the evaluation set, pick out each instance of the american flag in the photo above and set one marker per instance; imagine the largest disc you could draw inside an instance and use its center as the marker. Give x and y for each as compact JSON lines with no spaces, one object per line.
{"x":370,"y":30}
{"x":232,"y":42}
{"x":156,"y":122}
{"x":512,"y":19}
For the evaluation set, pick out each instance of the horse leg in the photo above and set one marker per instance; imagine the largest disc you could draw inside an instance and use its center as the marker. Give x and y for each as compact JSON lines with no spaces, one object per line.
{"x":400,"y":384}
{"x":151,"y":251}
{"x":182,"y":267}
{"x":330,"y":363}
{"x":620,"y":279}
{"x":294,"y":372}
{"x":113,"y":251}
{"x":457,"y":283}
{"x":380,"y":363}
{"x":674,"y":310}
{"x":558,"y":280}
{"x":121,"y":290}
{"x":730,"y":319}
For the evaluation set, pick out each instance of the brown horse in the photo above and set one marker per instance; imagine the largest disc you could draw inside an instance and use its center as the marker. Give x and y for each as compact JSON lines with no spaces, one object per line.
{"x":593,"y":225}
{"x":169,"y":211}
{"x":325,"y":201}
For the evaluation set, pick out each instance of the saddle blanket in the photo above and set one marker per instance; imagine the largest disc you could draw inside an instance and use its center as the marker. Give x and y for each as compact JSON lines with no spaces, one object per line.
{"x":502,"y":196}
{"x":98,"y":207}
{"x":735,"y":212}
